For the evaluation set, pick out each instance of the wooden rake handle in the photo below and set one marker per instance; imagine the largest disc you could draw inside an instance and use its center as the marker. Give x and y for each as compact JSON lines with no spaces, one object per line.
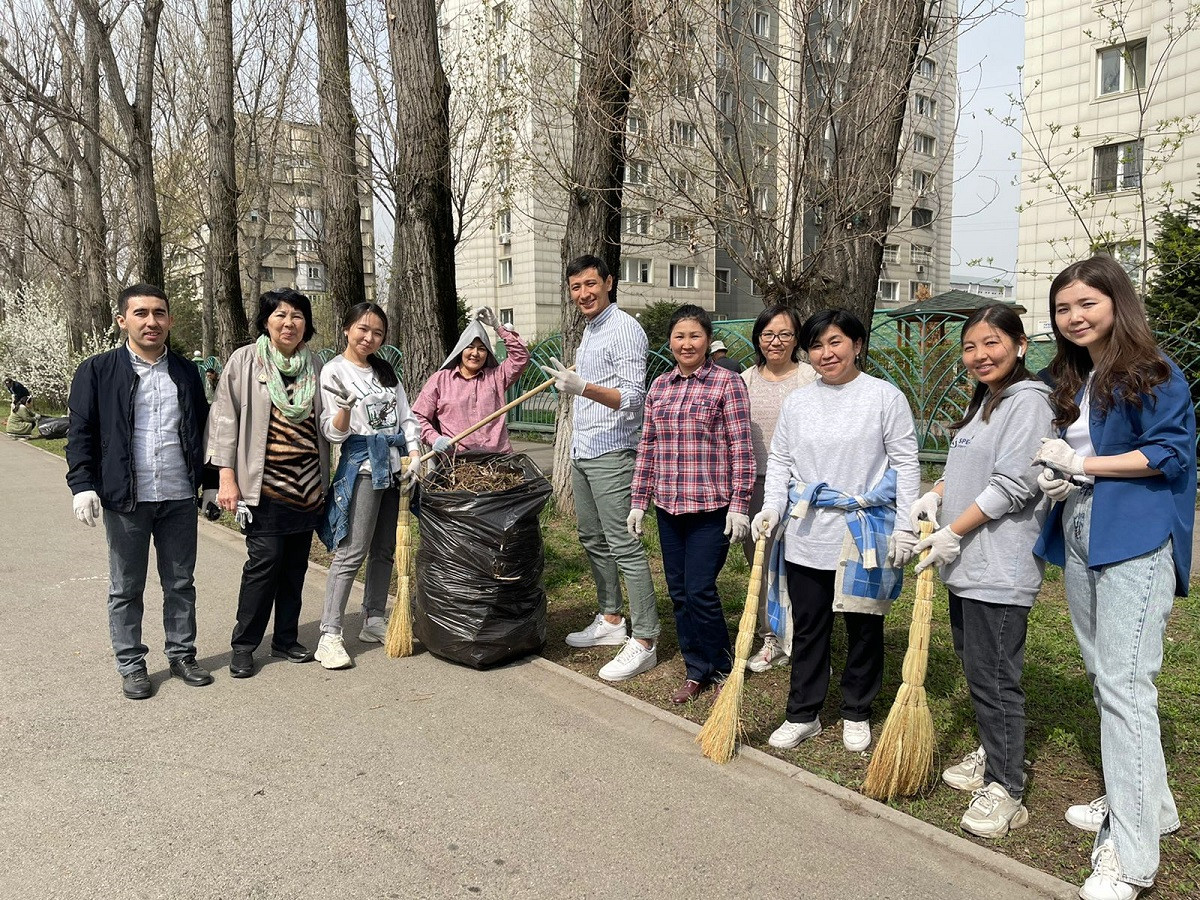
{"x":497,"y":414}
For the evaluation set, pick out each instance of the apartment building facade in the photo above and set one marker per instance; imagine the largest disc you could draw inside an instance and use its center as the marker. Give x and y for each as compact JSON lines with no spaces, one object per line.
{"x":1110,"y":110}
{"x":710,"y":141}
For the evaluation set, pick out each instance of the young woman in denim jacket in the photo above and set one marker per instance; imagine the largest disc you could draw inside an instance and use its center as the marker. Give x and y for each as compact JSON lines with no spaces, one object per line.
{"x":1124,"y":473}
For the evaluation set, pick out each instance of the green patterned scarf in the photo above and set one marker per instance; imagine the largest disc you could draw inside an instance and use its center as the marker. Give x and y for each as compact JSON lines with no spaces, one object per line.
{"x":274,"y":366}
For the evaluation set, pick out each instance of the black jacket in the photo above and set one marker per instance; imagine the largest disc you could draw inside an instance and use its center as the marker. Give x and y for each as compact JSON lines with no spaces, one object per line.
{"x":100,"y":439}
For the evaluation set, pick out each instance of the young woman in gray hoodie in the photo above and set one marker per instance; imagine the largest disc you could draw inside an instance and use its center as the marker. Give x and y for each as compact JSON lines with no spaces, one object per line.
{"x":994,"y":511}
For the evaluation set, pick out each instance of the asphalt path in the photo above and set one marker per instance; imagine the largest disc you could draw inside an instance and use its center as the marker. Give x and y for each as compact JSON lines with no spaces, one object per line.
{"x":396,"y":779}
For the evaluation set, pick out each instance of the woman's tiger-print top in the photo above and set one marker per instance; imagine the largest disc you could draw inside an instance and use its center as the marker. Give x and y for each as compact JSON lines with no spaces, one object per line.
{"x":292,"y":469}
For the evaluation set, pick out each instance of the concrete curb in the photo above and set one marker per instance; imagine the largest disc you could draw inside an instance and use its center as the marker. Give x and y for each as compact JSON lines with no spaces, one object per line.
{"x":852,"y":801}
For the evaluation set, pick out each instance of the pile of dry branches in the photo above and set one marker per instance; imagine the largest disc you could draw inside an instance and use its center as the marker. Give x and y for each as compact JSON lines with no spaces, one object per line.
{"x":476,"y":478}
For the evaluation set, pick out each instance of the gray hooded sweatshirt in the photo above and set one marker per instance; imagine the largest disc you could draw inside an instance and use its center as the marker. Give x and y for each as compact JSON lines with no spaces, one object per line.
{"x":989,"y":463}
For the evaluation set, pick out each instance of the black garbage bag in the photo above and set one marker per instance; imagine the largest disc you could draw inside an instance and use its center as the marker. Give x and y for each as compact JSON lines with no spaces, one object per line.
{"x":56,"y":427}
{"x":480,"y":599}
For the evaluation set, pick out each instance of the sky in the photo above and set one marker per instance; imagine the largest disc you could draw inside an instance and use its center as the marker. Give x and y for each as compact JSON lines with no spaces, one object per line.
{"x":985,"y":196}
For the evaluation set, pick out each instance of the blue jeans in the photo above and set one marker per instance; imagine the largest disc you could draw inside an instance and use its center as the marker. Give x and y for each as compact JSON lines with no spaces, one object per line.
{"x":172,"y":525}
{"x":602,"y":487}
{"x":694,"y":547}
{"x":1119,"y":613}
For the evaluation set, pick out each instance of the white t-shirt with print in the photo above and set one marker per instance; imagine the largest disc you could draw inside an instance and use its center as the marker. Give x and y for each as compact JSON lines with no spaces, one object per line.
{"x":380,"y":410}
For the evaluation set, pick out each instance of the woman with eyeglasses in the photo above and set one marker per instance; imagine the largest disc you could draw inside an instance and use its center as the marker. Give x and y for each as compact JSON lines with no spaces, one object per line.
{"x":778,"y":373}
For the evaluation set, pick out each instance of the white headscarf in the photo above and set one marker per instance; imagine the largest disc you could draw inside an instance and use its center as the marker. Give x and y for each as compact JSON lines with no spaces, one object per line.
{"x":475,"y":329}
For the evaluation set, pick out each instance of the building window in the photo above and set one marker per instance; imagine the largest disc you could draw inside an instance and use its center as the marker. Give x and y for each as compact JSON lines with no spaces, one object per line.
{"x":924,"y":106}
{"x":1117,"y":167}
{"x":683,"y":133}
{"x":634,"y":124}
{"x":1120,"y":69}
{"x":637,"y":171}
{"x":266,"y":273}
{"x":314,"y":273}
{"x":921,"y":217}
{"x":721,"y":281}
{"x":893,"y":217}
{"x":921,"y":181}
{"x":682,"y":276}
{"x":506,"y":316}
{"x":504,"y":224}
{"x":921,"y":254}
{"x":762,"y":24}
{"x":919,"y":290}
{"x":506,"y":270}
{"x":1128,"y":254}
{"x":725,"y":103}
{"x":498,"y":16}
{"x":683,"y":87}
{"x":635,"y":223}
{"x":818,"y":214}
{"x":636,"y":271}
{"x":681,"y":229}
{"x":254,"y":217}
{"x":889,"y":291}
{"x":762,"y":72}
{"x":721,"y":59}
{"x":502,"y":68}
{"x":502,"y":172}
{"x":891,"y":253}
{"x":680,"y":180}
{"x":927,"y":68}
{"x":925,"y":144}
{"x":761,"y":198}
{"x":760,"y":111}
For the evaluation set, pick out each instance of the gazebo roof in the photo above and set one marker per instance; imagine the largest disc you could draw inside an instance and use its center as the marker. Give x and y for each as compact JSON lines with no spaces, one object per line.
{"x":950,"y":302}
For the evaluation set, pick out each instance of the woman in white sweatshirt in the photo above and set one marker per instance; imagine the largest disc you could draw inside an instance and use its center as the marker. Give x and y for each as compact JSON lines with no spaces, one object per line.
{"x":993,"y":512}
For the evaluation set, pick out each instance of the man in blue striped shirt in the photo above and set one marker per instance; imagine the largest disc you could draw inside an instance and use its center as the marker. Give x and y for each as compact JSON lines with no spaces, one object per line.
{"x":609,"y":386}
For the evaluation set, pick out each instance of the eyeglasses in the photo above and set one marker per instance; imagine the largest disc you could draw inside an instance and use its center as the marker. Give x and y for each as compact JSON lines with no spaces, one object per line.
{"x":771,"y":337}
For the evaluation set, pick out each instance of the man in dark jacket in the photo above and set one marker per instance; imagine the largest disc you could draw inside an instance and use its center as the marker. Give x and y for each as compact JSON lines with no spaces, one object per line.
{"x":136,"y":448}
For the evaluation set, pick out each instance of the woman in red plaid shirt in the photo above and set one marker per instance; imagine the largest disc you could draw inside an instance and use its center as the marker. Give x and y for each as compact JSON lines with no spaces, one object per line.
{"x":696,"y":461}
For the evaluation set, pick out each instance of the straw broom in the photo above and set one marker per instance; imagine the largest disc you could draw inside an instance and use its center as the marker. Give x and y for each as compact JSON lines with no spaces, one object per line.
{"x":400,"y":631}
{"x":903,"y":758}
{"x":718,"y":737}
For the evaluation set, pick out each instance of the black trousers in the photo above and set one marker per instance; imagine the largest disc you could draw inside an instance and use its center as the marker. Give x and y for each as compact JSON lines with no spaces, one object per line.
{"x":811,"y":592}
{"x":273,"y":577}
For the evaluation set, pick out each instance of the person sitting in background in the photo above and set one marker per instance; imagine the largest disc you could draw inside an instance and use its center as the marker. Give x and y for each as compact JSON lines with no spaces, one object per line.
{"x":719,"y":354}
{"x":22,"y":421}
{"x":469,"y":387}
{"x":19,"y":391}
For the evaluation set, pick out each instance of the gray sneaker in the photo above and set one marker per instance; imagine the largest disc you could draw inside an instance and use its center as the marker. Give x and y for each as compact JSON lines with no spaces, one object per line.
{"x":968,"y":774}
{"x":374,"y":630}
{"x":993,"y":812}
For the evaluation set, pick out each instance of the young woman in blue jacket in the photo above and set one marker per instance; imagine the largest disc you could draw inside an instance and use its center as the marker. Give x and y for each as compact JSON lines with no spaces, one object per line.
{"x":1124,"y":474}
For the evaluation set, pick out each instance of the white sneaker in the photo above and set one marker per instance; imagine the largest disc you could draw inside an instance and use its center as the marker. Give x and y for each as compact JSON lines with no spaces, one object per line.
{"x":634,"y":659}
{"x":1105,"y":881}
{"x":599,"y":633}
{"x":331,"y":652}
{"x":1089,"y":816}
{"x":856,"y":736}
{"x":968,"y":774}
{"x":791,"y":734}
{"x":374,"y":630}
{"x":993,"y":812}
{"x":771,"y":654}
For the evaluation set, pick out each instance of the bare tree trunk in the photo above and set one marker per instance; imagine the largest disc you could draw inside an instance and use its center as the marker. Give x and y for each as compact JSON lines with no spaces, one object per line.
{"x":68,"y":261}
{"x":606,"y":42}
{"x":422,"y":296}
{"x":97,"y":317}
{"x":224,"y":295}
{"x":341,"y":248}
{"x":135,"y":119}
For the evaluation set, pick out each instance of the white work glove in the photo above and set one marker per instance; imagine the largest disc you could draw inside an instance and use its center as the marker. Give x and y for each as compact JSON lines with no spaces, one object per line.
{"x":1057,"y":454}
{"x":764,"y":523}
{"x":412,"y":474}
{"x":341,"y":394}
{"x":242,"y":515}
{"x":442,"y":444}
{"x":488,"y":318}
{"x":633,"y":522}
{"x":737,"y":526}
{"x":87,"y":507}
{"x":1053,"y":485}
{"x":902,"y":547}
{"x":943,"y":546}
{"x":925,"y":508}
{"x":564,"y":379}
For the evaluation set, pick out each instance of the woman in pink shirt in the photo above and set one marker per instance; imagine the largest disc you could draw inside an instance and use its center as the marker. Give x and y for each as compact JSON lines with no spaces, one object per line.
{"x":469,"y":387}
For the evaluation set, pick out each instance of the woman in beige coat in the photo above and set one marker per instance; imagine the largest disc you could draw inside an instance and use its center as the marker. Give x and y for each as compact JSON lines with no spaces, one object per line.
{"x":274,"y":466}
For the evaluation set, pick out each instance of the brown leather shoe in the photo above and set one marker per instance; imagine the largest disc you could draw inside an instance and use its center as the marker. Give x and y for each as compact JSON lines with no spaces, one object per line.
{"x":687,"y":692}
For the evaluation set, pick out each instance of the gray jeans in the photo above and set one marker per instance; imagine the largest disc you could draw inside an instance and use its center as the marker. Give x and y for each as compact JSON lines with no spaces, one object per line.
{"x":602,"y":489}
{"x":172,"y":526}
{"x":1119,"y":613}
{"x":989,"y":639}
{"x":371,"y":536}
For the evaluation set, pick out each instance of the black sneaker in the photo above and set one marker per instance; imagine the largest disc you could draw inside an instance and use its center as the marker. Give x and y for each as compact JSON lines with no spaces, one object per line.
{"x":294,"y":652}
{"x":137,"y":686}
{"x":191,"y":673}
